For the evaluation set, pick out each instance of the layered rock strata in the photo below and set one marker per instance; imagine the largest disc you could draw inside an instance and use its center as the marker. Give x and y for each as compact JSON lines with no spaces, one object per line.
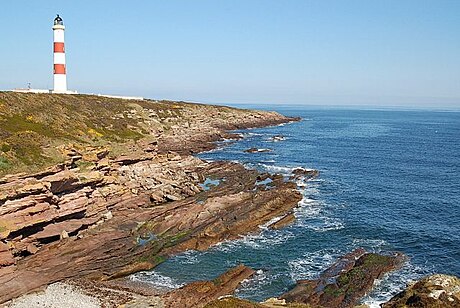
{"x":102,"y":216}
{"x":436,"y":291}
{"x":345,"y":282}
{"x":109,"y":186}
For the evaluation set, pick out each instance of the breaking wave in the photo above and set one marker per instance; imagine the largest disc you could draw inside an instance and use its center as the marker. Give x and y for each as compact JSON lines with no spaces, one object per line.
{"x":157,"y":280}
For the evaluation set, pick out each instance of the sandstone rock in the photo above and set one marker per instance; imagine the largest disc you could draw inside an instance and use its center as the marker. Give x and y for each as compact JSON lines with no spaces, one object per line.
{"x":307,"y":174}
{"x":233,"y":302}
{"x":112,"y":249}
{"x":433,"y":291}
{"x":132,"y":159}
{"x":170,"y":197}
{"x":64,"y":235}
{"x":55,"y":202}
{"x":157,"y":197}
{"x":62,"y":181}
{"x":103,"y":163}
{"x":61,"y":229}
{"x":283,"y":222}
{"x":274,"y":302}
{"x":94,"y":154}
{"x":198,"y":294}
{"x":6,"y":257}
{"x":31,"y":248}
{"x":108,"y":215}
{"x":345,"y":282}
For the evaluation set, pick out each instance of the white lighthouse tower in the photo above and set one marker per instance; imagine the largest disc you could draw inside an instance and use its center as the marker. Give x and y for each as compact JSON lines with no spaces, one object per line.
{"x":60,"y":79}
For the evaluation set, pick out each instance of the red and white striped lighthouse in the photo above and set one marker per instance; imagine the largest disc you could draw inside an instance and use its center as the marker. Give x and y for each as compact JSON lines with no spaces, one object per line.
{"x":60,"y":79}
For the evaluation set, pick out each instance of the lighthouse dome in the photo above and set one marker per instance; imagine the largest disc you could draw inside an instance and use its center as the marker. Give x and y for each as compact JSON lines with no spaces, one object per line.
{"x":58,"y":20}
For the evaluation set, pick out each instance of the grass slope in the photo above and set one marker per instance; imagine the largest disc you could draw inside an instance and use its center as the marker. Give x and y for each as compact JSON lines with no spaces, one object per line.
{"x":34,"y":127}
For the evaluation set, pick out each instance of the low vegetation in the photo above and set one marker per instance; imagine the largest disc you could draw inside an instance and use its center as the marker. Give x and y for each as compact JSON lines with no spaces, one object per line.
{"x":34,"y":127}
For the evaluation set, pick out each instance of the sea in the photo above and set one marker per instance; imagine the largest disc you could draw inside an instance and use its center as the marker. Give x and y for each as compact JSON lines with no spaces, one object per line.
{"x":389,"y":181}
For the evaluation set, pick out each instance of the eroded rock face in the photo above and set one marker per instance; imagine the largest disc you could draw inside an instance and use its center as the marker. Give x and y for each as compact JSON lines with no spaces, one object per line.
{"x":436,"y":291}
{"x":104,"y":215}
{"x":107,"y":226}
{"x":345,"y":282}
{"x":199,"y":294}
{"x":36,"y":210}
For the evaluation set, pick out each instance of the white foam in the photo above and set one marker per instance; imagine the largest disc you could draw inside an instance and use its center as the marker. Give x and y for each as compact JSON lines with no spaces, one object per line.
{"x":156,"y":279}
{"x":216,"y":149}
{"x":270,"y":222}
{"x":276,"y":169}
{"x":312,"y":264}
{"x":371,"y":245}
{"x":315,"y":214}
{"x":321,"y":223}
{"x":266,"y":238}
{"x":393,"y":283}
{"x":189,"y":257}
{"x":257,"y":282}
{"x":249,"y":134}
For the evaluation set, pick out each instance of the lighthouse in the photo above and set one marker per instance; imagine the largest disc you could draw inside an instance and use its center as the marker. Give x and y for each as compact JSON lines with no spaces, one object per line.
{"x":60,"y":79}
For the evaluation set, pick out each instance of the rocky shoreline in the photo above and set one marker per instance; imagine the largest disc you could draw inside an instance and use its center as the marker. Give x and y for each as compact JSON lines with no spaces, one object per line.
{"x":103,"y":215}
{"x":122,"y":199}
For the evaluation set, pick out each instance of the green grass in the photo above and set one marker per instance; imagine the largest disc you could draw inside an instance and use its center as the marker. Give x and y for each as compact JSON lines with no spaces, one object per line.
{"x":4,"y":164}
{"x":18,"y":123}
{"x":32,"y":125}
{"x":375,"y":259}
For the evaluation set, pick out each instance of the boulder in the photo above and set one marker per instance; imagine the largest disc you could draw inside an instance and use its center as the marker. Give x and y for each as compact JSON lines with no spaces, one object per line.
{"x":436,"y":291}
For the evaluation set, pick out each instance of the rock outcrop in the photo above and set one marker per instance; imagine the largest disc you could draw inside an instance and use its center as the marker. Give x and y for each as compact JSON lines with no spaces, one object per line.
{"x":108,"y":211}
{"x":256,"y":150}
{"x":436,"y":291}
{"x":199,"y":294}
{"x":345,"y":282}
{"x":105,"y":224}
{"x":302,"y":173}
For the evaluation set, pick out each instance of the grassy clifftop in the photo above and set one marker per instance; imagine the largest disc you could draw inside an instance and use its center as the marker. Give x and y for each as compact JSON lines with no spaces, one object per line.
{"x":35,"y":127}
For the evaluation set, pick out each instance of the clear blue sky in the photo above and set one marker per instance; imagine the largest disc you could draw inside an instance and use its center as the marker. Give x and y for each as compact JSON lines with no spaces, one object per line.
{"x":384,"y":52}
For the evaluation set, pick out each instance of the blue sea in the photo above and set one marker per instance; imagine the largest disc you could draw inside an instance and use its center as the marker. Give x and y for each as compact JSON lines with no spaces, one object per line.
{"x":390,"y":181}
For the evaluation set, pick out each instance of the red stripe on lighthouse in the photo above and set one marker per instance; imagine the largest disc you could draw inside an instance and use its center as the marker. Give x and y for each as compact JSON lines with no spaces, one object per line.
{"x":59,"y":68}
{"x":59,"y":47}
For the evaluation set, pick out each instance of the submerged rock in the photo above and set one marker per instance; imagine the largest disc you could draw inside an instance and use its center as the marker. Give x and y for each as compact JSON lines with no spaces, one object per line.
{"x":307,"y":174}
{"x":277,"y":138}
{"x":256,"y":150}
{"x":437,"y":291}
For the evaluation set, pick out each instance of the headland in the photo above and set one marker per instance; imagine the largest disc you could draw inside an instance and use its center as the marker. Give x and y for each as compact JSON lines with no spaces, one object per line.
{"x":96,"y":188}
